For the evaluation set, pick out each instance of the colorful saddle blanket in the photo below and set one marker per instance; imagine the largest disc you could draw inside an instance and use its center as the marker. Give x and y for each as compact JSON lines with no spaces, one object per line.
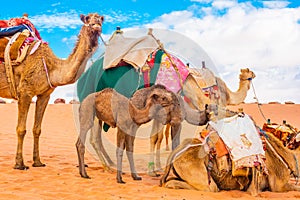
{"x":242,"y":140}
{"x":126,"y":79}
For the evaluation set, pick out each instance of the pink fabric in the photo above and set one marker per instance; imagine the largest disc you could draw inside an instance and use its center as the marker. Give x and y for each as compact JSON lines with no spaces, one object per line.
{"x":168,"y":76}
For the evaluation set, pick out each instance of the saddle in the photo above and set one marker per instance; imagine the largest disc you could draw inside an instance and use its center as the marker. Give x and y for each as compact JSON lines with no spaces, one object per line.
{"x":284,"y":132}
{"x":18,"y":47}
{"x":16,"y":36}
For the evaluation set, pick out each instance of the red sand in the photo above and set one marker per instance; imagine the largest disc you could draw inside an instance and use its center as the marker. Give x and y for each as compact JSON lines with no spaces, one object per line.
{"x":60,"y":178}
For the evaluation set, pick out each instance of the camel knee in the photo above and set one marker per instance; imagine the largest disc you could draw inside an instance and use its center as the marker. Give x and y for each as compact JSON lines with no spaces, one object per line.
{"x":36,"y":132}
{"x":21,"y":132}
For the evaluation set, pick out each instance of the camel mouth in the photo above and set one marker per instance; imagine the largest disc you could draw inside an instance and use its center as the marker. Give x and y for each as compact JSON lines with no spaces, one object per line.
{"x":97,"y":27}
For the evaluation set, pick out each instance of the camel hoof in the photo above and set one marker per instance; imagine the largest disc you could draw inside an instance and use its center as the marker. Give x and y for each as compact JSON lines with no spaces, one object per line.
{"x":137,"y":178}
{"x":119,"y":180}
{"x":153,"y":174}
{"x":86,"y":176}
{"x":21,"y":167}
{"x":38,"y":165}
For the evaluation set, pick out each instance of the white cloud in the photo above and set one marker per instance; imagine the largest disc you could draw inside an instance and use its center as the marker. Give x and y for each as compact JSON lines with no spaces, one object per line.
{"x":65,"y":20}
{"x":275,"y":4}
{"x":263,"y":39}
{"x":221,"y":4}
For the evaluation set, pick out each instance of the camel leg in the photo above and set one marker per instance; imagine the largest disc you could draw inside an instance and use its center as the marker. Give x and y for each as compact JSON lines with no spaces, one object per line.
{"x":23,"y":107}
{"x":160,"y":136}
{"x":167,"y":134}
{"x":156,"y":128}
{"x":86,"y":120}
{"x":41,"y":104}
{"x":96,"y":142}
{"x":253,"y":188}
{"x":175,"y":135}
{"x":119,"y":154}
{"x":129,"y":144}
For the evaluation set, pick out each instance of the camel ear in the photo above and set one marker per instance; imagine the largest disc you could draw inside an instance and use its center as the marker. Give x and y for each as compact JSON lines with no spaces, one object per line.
{"x":154,"y":97}
{"x":102,"y":18}
{"x":84,"y":18}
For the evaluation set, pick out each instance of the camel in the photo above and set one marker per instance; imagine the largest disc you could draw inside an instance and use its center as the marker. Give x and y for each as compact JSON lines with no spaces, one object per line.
{"x":181,"y":112}
{"x":40,"y":73}
{"x":187,"y":168}
{"x":190,"y":87}
{"x":226,"y":96}
{"x":118,"y":111}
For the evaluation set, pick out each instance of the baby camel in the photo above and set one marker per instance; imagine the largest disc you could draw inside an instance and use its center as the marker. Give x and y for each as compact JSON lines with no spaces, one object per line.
{"x":118,"y":111}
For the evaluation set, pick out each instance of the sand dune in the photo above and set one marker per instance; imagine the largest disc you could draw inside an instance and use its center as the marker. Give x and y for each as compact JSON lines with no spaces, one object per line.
{"x":60,"y":178}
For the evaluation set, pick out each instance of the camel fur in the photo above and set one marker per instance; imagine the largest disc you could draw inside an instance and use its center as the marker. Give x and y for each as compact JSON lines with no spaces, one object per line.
{"x":30,"y":78}
{"x":118,"y":111}
{"x":227,"y":97}
{"x":187,"y":168}
{"x":182,"y":111}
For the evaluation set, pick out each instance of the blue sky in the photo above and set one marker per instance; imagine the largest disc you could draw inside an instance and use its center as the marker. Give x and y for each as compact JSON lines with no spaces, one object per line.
{"x":261,"y":35}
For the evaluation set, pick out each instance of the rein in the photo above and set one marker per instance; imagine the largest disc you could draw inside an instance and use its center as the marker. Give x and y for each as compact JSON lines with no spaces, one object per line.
{"x":47,"y":74}
{"x":258,"y":104}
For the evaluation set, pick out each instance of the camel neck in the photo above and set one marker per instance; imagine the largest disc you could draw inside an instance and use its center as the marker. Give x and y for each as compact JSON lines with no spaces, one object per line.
{"x":71,"y":68}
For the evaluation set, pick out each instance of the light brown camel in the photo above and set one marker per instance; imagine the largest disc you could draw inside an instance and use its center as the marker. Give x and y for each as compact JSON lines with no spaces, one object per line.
{"x":225,"y":96}
{"x":118,"y":111}
{"x":188,"y":169}
{"x":31,"y":80}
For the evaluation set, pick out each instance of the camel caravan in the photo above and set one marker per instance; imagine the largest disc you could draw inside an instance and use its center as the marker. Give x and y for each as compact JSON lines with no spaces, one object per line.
{"x":137,"y":80}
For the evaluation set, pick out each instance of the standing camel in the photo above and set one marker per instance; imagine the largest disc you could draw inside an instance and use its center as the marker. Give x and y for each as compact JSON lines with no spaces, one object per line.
{"x":182,"y":111}
{"x":118,"y":111}
{"x":225,"y":95}
{"x":40,"y":73}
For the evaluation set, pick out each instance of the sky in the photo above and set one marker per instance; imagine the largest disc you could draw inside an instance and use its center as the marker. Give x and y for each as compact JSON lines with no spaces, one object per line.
{"x":261,"y":35}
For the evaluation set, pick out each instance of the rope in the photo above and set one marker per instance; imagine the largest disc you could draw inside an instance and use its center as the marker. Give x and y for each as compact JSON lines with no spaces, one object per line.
{"x":8,"y":66}
{"x":47,"y":74}
{"x":258,"y":104}
{"x":105,"y":44}
{"x":168,"y":55}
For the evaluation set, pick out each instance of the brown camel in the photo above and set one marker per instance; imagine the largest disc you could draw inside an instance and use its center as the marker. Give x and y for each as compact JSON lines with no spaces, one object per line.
{"x":188,"y":168}
{"x":118,"y":111}
{"x":181,"y":112}
{"x":31,"y":79}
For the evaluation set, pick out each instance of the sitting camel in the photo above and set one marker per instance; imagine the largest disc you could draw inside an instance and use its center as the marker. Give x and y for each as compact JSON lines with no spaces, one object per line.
{"x":118,"y":111}
{"x":195,"y":168}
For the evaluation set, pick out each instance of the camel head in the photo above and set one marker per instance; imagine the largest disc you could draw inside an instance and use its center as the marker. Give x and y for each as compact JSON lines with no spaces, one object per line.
{"x":246,"y":74}
{"x":162,"y":103}
{"x":94,"y":23}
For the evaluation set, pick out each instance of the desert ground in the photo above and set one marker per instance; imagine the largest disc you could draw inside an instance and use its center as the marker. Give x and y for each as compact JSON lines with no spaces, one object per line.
{"x":60,"y":178}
